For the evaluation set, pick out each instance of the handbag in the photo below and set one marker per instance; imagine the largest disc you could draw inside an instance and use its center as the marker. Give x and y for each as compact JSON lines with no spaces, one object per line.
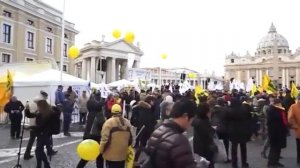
{"x":219,"y":156}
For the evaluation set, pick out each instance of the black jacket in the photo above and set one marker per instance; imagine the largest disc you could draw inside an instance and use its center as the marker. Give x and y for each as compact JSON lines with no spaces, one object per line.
{"x":203,"y":138}
{"x":172,"y":152}
{"x":239,"y":122}
{"x":143,"y":114}
{"x":287,"y":102}
{"x":17,"y":107}
{"x":218,"y":118}
{"x":277,"y":130}
{"x":94,"y":107}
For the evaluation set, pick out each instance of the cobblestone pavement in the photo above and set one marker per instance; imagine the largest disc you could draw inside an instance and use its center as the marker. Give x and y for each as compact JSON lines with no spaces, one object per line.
{"x":67,"y":157}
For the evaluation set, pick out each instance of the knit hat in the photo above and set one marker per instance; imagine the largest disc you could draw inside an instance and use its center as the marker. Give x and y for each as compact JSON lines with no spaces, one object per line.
{"x":116,"y":109}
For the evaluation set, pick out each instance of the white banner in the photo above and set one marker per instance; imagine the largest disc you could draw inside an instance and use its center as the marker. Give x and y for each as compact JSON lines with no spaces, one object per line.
{"x":138,"y":74}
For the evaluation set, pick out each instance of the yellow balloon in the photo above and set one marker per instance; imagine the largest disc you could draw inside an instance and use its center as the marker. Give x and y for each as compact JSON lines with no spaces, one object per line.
{"x":164,"y":56}
{"x":129,"y":37}
{"x":74,"y":52}
{"x":88,"y":150}
{"x":116,"y":33}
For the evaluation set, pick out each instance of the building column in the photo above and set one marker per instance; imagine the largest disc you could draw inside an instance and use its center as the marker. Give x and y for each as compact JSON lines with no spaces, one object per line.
{"x":83,"y":69}
{"x":283,"y":77}
{"x":113,"y":70}
{"x":248,"y":74}
{"x":257,"y":81}
{"x":117,"y":71}
{"x":267,"y":72}
{"x":287,"y":81}
{"x":124,"y":69}
{"x":93,"y":69}
{"x":260,"y":77}
{"x":239,"y":75}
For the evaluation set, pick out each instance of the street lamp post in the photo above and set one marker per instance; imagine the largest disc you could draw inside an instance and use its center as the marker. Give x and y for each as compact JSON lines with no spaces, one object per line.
{"x":62,"y":42}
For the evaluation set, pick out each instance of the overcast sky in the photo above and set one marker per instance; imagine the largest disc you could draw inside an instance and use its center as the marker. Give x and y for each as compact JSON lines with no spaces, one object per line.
{"x":196,"y":34}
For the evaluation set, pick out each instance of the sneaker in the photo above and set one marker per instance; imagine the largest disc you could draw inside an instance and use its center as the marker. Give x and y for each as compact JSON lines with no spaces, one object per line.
{"x":28,"y":157}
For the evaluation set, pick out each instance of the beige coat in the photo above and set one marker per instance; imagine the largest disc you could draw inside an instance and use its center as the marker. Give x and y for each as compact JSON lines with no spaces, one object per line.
{"x":116,"y":136}
{"x":294,"y":118}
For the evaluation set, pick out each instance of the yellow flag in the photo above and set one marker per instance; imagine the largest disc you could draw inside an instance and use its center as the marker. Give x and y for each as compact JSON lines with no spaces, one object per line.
{"x":266,"y":81}
{"x":7,"y":92}
{"x":254,"y":90}
{"x":198,"y":91}
{"x":294,"y":91}
{"x":130,"y":157}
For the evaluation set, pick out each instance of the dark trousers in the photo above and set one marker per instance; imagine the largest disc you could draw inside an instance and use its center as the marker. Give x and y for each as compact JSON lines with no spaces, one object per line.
{"x":67,"y":122}
{"x":99,"y":162}
{"x":82,"y":118}
{"x":31,"y":140}
{"x":15,"y":127}
{"x":41,"y":142}
{"x":234,"y":148}
{"x":298,"y":150}
{"x":274,"y":155}
{"x":115,"y":164}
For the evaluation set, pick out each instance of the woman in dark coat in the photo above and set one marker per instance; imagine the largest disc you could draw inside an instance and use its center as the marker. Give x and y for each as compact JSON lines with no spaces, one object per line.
{"x":218,"y":115}
{"x":239,"y":129}
{"x":277,"y":130}
{"x":203,"y":134}
{"x":94,"y":105}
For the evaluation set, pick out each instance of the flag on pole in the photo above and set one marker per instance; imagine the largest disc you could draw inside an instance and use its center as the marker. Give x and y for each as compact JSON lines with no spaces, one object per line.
{"x":294,"y":91}
{"x":267,"y":85}
{"x":7,"y":91}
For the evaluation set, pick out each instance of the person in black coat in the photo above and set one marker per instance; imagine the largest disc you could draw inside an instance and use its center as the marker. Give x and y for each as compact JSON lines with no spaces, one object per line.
{"x":94,"y":105}
{"x":14,"y":110}
{"x":218,"y":119}
{"x":239,"y":129}
{"x":203,"y":134}
{"x":143,"y":115}
{"x":277,"y":131}
{"x":288,"y":100}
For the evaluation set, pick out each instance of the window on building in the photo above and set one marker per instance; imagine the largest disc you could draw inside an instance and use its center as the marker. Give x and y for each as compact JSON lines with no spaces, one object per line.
{"x":29,"y":59}
{"x":30,"y":22}
{"x":49,"y":45}
{"x":6,"y":58}
{"x":66,"y":36}
{"x":232,"y":60}
{"x":65,"y":50}
{"x":30,"y":40}
{"x":65,"y":68}
{"x":6,"y":33}
{"x":279,"y":51}
{"x":6,"y":13}
{"x":49,"y":29}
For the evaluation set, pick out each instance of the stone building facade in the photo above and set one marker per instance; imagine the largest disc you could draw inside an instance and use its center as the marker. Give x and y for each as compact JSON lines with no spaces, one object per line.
{"x":31,"y":31}
{"x":107,"y":62}
{"x":273,"y":57}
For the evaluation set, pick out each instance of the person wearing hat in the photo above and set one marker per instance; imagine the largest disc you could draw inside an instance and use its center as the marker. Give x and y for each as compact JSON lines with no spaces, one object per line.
{"x":116,"y":137}
{"x":277,"y":132}
{"x":294,"y":121}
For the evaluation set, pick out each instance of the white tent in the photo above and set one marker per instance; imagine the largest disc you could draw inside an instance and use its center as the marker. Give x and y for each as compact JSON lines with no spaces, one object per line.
{"x":121,"y":83}
{"x":26,"y":88}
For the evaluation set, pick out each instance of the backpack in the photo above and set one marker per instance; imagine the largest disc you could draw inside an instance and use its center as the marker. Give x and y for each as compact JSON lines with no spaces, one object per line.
{"x":55,"y":121}
{"x":149,"y":162}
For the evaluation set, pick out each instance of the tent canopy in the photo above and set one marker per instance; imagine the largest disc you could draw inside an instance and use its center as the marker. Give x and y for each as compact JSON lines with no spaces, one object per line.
{"x":121,"y":83}
{"x":47,"y":78}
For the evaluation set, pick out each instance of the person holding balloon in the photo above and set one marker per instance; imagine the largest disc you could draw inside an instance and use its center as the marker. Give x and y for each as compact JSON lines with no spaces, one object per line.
{"x":95,"y":136}
{"x":116,"y":137}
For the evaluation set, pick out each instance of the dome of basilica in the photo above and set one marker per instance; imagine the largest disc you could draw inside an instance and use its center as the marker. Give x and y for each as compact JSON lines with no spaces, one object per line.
{"x":269,"y":39}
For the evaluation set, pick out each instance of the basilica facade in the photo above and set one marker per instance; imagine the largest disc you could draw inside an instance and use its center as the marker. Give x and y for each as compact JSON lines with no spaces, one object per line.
{"x":106,"y":62}
{"x":273,"y":57}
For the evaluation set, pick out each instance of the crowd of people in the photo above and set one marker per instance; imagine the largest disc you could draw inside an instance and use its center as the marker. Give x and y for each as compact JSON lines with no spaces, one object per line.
{"x":154,"y":122}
